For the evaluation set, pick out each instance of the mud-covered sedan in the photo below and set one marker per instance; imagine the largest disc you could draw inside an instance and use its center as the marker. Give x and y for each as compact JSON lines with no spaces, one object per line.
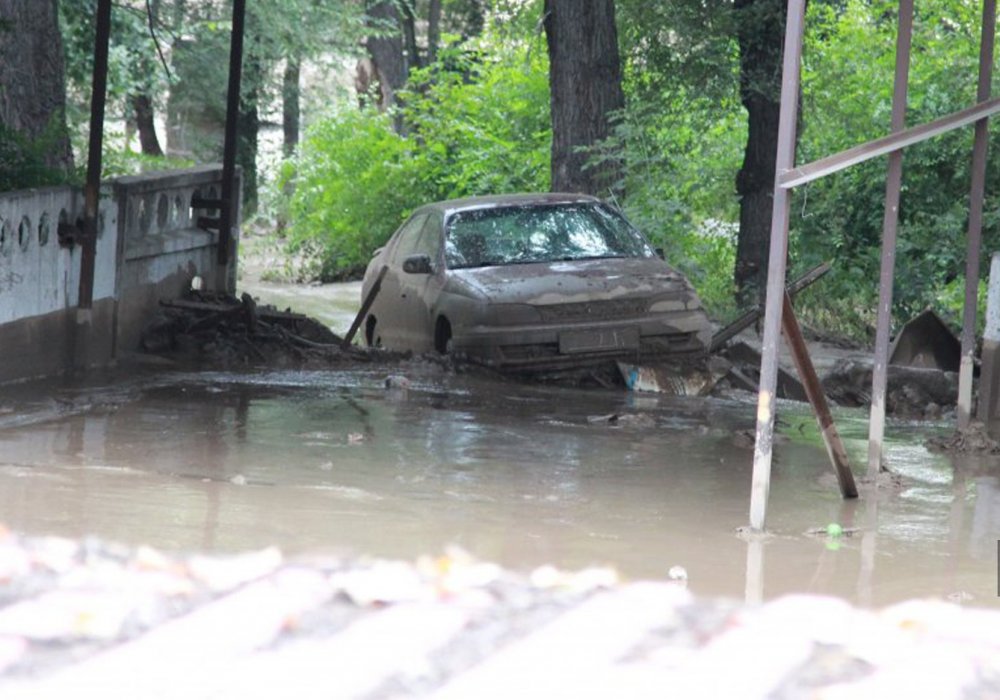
{"x":534,"y":281}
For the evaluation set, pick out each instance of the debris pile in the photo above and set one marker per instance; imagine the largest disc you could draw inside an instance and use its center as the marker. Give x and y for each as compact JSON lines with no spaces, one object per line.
{"x":971,"y":440}
{"x":223,"y":331}
{"x":911,"y":392}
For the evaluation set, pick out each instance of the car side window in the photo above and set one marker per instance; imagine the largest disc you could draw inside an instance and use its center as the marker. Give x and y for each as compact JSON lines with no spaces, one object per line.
{"x":408,"y":238}
{"x":430,"y":237}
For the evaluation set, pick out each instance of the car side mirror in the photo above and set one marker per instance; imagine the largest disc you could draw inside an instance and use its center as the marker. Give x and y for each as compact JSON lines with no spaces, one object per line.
{"x":418,"y":265}
{"x":660,"y":254}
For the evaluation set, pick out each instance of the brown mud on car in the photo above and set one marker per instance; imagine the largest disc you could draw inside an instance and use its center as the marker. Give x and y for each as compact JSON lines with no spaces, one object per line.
{"x":531,"y":281}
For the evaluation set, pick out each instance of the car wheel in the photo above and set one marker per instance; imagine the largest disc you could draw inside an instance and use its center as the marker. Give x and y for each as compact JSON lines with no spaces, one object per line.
{"x":442,"y":335}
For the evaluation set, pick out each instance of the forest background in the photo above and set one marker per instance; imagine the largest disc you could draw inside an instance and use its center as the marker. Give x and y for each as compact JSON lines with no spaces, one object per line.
{"x":353,"y":113}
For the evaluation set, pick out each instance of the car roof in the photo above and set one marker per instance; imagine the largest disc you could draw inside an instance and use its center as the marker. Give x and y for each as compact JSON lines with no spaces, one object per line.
{"x":451,"y":206}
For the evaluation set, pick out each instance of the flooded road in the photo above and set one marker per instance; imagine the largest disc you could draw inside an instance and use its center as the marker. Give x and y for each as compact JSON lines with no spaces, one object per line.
{"x":516,"y":473}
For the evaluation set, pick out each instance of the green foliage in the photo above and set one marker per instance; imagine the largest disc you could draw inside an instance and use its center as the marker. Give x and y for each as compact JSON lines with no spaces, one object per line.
{"x":483,"y":122}
{"x":847,"y":96}
{"x":477,"y":124}
{"x":23,"y":161}
{"x":124,"y":161}
{"x":133,"y":65}
{"x":355,"y":179}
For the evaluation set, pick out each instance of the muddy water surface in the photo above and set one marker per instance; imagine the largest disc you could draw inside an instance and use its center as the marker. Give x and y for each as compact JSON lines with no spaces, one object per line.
{"x":517,"y":473}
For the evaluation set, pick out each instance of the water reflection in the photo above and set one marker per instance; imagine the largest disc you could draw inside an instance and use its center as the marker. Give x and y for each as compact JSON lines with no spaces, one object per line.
{"x":520,"y":474}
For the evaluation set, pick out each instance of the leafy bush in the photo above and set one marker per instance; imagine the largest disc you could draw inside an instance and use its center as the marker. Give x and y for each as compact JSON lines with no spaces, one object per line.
{"x":475,"y":125}
{"x":483,"y":122}
{"x":354,"y":180}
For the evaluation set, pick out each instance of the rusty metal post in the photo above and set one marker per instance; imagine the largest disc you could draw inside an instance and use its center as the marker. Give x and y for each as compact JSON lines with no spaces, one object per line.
{"x":777,"y":260}
{"x":92,"y":188}
{"x":814,"y":392}
{"x":890,"y":220}
{"x":977,"y":190}
{"x":229,"y":197}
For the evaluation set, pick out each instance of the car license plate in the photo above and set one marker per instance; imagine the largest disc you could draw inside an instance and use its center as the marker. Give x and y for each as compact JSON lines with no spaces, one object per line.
{"x":598,"y":340}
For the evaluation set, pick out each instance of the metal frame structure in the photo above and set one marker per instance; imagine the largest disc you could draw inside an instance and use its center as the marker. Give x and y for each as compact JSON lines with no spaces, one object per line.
{"x":789,"y":176}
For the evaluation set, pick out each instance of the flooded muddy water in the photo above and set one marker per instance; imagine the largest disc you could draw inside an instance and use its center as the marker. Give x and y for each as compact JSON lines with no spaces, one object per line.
{"x":520,"y":474}
{"x":333,"y":304}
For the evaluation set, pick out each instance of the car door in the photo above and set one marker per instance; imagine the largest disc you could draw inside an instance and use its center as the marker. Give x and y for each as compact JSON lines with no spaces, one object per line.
{"x":419,"y":290}
{"x":389,"y":308}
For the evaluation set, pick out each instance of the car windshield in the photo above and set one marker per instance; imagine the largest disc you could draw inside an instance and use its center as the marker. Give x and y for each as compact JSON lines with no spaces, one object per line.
{"x":540,"y":233}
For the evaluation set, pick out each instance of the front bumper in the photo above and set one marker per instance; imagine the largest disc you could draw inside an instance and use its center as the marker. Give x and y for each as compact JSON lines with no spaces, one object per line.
{"x":577,"y":344}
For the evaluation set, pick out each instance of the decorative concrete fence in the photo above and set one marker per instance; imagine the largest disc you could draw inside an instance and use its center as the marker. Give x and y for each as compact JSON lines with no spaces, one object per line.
{"x":149,"y":247}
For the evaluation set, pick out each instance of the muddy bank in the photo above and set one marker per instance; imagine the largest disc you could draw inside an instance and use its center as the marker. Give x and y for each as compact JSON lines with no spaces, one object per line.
{"x":94,"y":617}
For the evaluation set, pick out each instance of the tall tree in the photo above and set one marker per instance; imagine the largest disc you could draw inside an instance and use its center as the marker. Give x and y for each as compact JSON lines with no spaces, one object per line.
{"x":291,"y":109}
{"x":585,"y":88}
{"x":760,"y":29}
{"x":384,"y":70}
{"x":248,"y":119}
{"x":136,"y":73}
{"x":433,"y":30}
{"x":142,"y":98}
{"x":32,"y":77}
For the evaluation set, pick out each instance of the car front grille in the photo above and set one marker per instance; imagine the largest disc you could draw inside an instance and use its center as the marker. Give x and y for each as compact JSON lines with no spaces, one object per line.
{"x":607,"y":308}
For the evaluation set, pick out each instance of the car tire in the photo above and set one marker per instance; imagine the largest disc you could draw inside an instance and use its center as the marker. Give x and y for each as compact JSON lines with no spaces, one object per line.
{"x":442,"y":335}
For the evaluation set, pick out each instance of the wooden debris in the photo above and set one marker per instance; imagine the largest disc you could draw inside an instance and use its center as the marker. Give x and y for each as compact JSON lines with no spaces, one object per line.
{"x":222,"y":330}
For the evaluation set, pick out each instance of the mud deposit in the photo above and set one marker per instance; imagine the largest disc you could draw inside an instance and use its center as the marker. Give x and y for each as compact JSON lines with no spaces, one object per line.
{"x":404,"y":461}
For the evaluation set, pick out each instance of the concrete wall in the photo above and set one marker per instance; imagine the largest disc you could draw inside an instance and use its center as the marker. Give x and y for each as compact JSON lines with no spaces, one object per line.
{"x":149,"y":247}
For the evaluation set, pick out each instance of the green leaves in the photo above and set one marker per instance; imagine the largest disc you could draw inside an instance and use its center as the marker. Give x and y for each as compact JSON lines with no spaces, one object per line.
{"x":847,"y":92}
{"x":477,"y":124}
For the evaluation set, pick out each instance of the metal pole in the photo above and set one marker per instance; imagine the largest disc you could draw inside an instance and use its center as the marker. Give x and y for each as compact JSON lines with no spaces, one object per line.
{"x":92,"y":188}
{"x":788,"y":116}
{"x":754,"y":584}
{"x":804,"y":174}
{"x":814,"y":392}
{"x":890,"y":220}
{"x":989,"y":378}
{"x":975,"y":219}
{"x":229,"y":197}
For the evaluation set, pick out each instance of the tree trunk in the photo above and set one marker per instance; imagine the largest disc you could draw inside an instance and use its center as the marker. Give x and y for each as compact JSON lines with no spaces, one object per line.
{"x":247,"y":129}
{"x":761,"y":31}
{"x":412,"y":55}
{"x":433,"y":30}
{"x":142,"y":106}
{"x":142,"y":102}
{"x":585,"y":88}
{"x":32,"y":77}
{"x":290,"y":104}
{"x":385,"y":69}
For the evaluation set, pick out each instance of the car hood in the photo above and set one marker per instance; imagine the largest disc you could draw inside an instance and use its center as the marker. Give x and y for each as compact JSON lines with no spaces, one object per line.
{"x":570,"y":282}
